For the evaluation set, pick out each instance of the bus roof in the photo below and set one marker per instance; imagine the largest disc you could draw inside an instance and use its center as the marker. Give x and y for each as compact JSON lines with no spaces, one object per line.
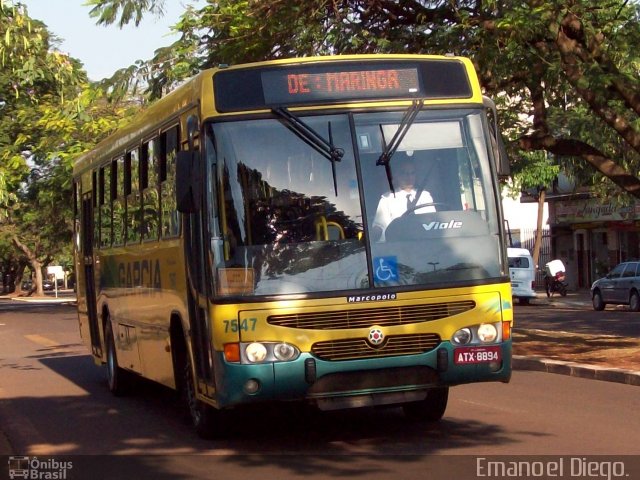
{"x":198,"y":92}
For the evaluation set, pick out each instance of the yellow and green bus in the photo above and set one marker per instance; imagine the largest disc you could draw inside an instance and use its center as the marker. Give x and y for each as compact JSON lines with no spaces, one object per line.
{"x":248,"y":238}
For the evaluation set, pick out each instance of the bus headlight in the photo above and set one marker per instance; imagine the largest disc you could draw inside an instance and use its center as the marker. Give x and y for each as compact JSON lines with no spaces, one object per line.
{"x":487,"y":333}
{"x":284,"y":351}
{"x":462,"y":336}
{"x":262,"y":352}
{"x":256,"y":352}
{"x":478,"y":334}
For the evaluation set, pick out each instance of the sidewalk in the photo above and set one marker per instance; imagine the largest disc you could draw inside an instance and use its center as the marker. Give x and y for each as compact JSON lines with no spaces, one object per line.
{"x":576,"y":298}
{"x":568,"y":344}
{"x":64,"y":296}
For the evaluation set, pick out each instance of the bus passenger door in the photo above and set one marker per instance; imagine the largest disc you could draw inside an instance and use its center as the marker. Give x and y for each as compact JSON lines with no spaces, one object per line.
{"x":89,"y":279}
{"x":193,"y":231}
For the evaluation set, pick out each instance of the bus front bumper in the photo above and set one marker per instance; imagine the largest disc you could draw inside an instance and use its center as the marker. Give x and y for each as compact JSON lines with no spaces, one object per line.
{"x":355,"y":383}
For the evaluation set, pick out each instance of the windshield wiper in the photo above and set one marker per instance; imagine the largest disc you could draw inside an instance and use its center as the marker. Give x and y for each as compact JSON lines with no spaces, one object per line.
{"x":325,"y":147}
{"x":389,"y":149}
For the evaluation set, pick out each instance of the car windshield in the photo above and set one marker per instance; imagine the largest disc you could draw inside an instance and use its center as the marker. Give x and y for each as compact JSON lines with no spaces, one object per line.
{"x":286,"y":218}
{"x":617,"y":271}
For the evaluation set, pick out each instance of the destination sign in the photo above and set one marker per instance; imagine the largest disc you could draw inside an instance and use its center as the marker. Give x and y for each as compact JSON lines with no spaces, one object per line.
{"x":327,"y":82}
{"x":284,"y":87}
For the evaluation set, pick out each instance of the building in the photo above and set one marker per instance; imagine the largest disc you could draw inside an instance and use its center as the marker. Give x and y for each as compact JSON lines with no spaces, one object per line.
{"x":592,"y":236}
{"x":589,"y":236}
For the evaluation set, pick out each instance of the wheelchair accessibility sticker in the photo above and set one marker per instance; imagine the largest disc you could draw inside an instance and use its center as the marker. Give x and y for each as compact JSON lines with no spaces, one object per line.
{"x":385,"y":269}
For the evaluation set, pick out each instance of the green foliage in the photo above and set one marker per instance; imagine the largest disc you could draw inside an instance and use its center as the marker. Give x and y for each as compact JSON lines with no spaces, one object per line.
{"x":107,"y":11}
{"x":49,"y":115}
{"x":559,"y":70}
{"x":564,"y":74}
{"x":534,"y":171}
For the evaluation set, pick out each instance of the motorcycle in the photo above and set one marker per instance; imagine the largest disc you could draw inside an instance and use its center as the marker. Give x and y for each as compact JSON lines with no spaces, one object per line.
{"x":555,"y":278}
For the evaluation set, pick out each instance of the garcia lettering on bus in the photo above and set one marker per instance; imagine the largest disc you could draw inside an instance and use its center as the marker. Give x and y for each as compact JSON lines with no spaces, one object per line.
{"x":140,"y":273}
{"x":371,"y":298}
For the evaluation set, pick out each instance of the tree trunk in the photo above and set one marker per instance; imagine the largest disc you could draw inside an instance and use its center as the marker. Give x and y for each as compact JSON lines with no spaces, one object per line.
{"x":538,"y":241}
{"x":17,"y":280}
{"x":36,"y":265}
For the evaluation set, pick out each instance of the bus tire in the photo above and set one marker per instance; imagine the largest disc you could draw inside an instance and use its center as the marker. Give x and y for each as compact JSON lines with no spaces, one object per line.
{"x":206,"y":420}
{"x":118,"y":379}
{"x":431,"y":409}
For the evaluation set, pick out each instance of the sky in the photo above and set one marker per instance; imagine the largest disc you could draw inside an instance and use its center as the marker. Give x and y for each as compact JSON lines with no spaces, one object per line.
{"x":103,"y":50}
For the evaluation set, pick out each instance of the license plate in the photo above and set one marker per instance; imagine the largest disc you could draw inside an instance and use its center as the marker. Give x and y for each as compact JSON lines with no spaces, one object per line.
{"x":471,"y":355}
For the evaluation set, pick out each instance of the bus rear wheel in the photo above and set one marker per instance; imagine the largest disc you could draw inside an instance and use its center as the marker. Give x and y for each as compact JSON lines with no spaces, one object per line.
{"x":431,"y":409}
{"x":207,"y":421}
{"x":118,"y":380}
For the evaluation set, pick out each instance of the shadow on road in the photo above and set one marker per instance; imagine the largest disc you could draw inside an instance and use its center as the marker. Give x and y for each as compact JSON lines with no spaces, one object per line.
{"x":287,"y":438}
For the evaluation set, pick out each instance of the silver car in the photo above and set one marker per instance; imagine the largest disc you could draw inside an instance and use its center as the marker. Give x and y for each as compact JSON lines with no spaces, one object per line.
{"x":621,"y":286}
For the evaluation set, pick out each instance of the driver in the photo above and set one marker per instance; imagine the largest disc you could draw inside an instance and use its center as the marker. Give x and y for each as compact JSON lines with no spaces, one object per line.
{"x":394,"y":204}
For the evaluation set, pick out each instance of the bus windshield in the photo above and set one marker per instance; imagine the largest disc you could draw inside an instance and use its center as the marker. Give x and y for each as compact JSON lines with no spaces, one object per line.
{"x":287,"y":219}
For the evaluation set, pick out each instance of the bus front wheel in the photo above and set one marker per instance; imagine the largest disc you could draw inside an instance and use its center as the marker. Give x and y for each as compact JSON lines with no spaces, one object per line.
{"x":431,"y":409}
{"x":207,"y":421}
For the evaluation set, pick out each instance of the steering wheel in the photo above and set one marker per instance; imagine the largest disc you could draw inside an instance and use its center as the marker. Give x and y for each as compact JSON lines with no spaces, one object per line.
{"x":413,"y":208}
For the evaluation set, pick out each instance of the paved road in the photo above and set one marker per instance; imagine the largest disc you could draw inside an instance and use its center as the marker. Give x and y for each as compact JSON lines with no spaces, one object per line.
{"x":574,"y":313}
{"x":53,"y":401}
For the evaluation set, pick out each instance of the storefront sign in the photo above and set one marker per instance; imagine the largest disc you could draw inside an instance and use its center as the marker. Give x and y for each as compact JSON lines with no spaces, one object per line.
{"x":580,"y":211}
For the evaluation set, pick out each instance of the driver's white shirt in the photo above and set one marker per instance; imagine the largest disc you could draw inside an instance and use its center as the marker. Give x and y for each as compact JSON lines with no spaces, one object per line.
{"x":391,"y":207}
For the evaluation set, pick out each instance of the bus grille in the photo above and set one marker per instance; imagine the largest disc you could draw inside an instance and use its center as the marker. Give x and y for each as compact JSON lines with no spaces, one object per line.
{"x":364,"y":318}
{"x":359,"y":348}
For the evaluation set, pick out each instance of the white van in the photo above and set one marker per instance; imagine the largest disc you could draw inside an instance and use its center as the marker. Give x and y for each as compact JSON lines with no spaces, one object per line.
{"x":523,"y":274}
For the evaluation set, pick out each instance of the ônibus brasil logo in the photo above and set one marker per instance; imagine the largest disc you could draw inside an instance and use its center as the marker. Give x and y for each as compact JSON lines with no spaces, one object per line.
{"x":33,"y":468}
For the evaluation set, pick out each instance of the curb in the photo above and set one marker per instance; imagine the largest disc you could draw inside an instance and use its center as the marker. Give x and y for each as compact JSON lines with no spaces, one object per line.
{"x":41,"y":300}
{"x":45,"y":300}
{"x":591,"y":372}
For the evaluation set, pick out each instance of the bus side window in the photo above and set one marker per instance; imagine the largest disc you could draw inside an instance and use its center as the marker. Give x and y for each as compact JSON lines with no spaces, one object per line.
{"x":104,"y":201}
{"x":117,"y":192}
{"x":169,"y":211}
{"x":149,"y":189}
{"x":132,"y":194}
{"x":94,"y":206}
{"x":132,"y":190}
{"x":76,"y":214}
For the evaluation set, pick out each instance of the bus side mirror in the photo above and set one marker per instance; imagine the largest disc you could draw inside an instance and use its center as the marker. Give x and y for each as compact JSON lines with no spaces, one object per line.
{"x":503,"y":167}
{"x":188,"y":181}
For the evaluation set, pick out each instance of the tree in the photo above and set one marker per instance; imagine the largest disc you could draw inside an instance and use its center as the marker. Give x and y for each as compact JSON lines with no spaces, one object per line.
{"x":107,"y":11}
{"x":565,"y":73}
{"x":51,"y":114}
{"x":537,"y":175}
{"x":31,"y":78}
